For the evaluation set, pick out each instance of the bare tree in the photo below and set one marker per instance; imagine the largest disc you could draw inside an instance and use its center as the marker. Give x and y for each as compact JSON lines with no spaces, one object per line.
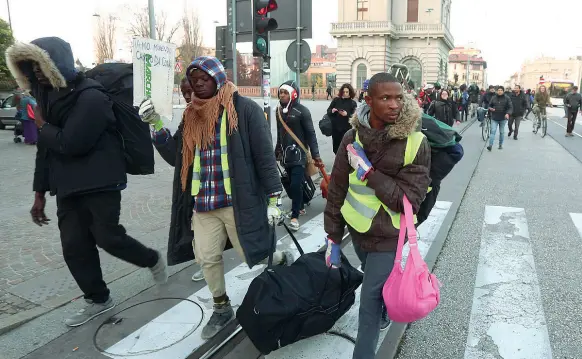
{"x":105,"y":38}
{"x":191,"y":46}
{"x":139,"y":26}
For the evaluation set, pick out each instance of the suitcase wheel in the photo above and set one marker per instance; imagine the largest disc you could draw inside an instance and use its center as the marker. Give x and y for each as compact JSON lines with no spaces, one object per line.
{"x":17,"y":140}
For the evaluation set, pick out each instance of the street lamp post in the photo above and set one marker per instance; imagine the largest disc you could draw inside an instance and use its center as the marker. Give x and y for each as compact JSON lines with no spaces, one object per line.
{"x":429,"y":11}
{"x":152,"y":19}
{"x":9,"y":17}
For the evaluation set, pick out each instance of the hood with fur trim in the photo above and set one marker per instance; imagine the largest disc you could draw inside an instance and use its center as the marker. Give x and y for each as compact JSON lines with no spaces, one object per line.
{"x":407,"y":122}
{"x":53,"y":54}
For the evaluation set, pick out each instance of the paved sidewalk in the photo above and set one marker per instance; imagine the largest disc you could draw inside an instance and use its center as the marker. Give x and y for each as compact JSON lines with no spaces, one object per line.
{"x":33,"y":274}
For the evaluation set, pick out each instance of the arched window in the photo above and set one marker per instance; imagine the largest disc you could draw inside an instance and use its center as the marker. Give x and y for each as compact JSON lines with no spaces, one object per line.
{"x":415,"y":71}
{"x":361,"y":74}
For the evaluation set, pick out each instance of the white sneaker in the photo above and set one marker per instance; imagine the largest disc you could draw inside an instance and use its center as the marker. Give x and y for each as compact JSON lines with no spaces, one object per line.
{"x":198,"y":276}
{"x":294,"y":224}
{"x":160,"y":270}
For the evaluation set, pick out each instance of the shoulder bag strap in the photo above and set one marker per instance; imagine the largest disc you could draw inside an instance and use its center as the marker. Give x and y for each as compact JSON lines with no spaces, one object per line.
{"x":291,"y":133}
{"x":411,"y":232}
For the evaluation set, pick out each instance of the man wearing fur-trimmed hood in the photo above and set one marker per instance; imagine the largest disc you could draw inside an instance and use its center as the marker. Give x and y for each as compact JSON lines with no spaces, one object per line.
{"x":80,"y":160}
{"x":370,"y":164}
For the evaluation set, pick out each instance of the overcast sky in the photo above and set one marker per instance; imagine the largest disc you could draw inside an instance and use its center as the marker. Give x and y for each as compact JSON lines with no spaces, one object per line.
{"x":523,"y":28}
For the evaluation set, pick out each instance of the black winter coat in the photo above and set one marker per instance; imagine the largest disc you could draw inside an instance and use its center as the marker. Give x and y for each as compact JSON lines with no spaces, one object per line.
{"x":79,"y":148}
{"x":444,"y":111}
{"x":253,"y":177}
{"x":299,"y":121}
{"x":502,"y":105}
{"x":339,"y":123}
{"x":519,"y":103}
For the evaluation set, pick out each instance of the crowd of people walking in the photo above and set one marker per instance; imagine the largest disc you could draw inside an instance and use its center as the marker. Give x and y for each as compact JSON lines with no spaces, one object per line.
{"x":227,"y":178}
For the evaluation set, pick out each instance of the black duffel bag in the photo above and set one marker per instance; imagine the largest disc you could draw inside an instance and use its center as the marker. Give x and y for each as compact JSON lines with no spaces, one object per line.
{"x":325,"y":126}
{"x":286,"y":304}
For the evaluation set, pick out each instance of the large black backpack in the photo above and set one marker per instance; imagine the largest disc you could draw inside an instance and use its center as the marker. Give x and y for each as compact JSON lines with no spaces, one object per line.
{"x":117,"y":79}
{"x":446,"y":152}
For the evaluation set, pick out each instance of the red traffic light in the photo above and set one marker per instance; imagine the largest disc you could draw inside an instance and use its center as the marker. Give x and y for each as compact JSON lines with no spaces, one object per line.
{"x":265,"y":6}
{"x":265,"y":24}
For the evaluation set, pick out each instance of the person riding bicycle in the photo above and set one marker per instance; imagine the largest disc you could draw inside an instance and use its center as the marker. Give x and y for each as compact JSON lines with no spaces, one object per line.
{"x":541,"y":101}
{"x":473,"y":98}
{"x":484,"y":105}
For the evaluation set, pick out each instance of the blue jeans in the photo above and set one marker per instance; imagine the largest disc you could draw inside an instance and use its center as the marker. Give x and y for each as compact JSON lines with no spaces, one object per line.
{"x":377,"y":267}
{"x":494,"y":125}
{"x":481,"y":114}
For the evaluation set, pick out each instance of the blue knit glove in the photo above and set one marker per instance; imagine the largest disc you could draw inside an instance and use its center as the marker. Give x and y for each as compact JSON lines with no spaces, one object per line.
{"x":358,"y":160}
{"x":332,"y":254}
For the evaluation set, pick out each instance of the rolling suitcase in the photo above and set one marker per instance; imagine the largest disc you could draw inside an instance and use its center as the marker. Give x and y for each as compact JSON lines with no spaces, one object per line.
{"x":284,"y":305}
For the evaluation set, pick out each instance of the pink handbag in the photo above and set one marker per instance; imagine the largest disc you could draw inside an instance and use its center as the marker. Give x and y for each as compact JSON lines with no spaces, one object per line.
{"x":411,"y":293}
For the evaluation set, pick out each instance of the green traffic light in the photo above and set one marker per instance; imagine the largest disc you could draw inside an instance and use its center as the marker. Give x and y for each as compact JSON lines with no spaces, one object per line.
{"x":261,"y":45}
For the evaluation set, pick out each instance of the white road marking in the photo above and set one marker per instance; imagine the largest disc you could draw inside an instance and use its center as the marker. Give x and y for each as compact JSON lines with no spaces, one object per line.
{"x":507,"y":317}
{"x":577,"y":219}
{"x":328,"y":346}
{"x":172,"y":334}
{"x":564,"y":127}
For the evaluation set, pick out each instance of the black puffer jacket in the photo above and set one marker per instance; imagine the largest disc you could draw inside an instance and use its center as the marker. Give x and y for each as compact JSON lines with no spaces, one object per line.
{"x":253,"y":175}
{"x":298,"y":119}
{"x":79,"y":149}
{"x":502,"y":105}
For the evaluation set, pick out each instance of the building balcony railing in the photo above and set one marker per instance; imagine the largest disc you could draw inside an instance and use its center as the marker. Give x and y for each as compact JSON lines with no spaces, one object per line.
{"x":362,"y":28}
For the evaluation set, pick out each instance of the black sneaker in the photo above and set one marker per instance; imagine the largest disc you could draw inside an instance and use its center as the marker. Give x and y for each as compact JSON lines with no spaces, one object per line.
{"x":385,"y":323}
{"x":500,"y":147}
{"x":489,"y":148}
{"x":509,"y":134}
{"x":515,"y":137}
{"x":222,"y":315}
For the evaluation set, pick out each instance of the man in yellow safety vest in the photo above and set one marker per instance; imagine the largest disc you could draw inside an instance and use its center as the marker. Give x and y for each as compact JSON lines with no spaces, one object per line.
{"x":381,"y":159}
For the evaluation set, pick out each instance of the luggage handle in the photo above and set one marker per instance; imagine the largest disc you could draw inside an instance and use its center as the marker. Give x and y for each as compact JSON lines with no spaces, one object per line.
{"x":274,"y":244}
{"x":301,"y":252}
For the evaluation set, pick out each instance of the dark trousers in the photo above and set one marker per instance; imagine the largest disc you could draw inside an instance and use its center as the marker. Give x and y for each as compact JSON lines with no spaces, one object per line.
{"x":377,"y":267}
{"x":90,"y":220}
{"x":464,"y":113}
{"x":337,"y":136}
{"x":296,"y":177}
{"x":571,"y":120}
{"x":514,"y":120}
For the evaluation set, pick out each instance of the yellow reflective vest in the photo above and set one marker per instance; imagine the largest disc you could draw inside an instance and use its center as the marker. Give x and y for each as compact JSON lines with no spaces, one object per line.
{"x":361,"y":204}
{"x":223,"y":161}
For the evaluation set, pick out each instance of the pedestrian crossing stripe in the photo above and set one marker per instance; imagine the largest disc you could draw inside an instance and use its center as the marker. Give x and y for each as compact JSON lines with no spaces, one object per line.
{"x":577,"y":219}
{"x":174,"y":334}
{"x":507,"y":311}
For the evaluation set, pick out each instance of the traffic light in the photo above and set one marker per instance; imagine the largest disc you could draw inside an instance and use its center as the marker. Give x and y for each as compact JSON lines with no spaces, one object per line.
{"x":263,"y":25}
{"x":220,"y":50}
